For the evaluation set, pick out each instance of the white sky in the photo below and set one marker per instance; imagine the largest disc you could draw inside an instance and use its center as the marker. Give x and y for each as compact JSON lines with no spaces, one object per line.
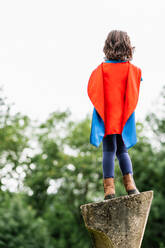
{"x":48,"y":50}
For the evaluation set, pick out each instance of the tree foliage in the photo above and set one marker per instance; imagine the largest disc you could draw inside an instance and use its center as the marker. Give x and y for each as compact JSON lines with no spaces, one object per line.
{"x":56,"y":170}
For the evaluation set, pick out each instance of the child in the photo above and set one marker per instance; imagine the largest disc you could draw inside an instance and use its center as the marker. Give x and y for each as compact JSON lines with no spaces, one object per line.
{"x":113,"y":89}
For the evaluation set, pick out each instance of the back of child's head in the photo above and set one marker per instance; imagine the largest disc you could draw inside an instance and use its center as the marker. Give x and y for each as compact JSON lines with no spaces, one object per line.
{"x":118,"y":46}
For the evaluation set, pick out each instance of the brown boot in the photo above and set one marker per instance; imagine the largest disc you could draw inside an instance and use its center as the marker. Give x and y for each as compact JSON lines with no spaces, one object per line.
{"x":109,"y":188}
{"x":129,"y":184}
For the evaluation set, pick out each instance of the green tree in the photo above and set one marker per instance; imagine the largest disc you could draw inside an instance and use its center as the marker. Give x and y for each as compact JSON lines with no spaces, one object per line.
{"x":63,"y":171}
{"x":19,"y":225}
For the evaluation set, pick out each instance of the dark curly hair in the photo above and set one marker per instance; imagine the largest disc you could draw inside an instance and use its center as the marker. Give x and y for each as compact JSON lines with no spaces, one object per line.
{"x":118,"y":46}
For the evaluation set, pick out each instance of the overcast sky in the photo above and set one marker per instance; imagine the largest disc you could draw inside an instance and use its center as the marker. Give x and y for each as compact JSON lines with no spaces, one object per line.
{"x":48,"y":50}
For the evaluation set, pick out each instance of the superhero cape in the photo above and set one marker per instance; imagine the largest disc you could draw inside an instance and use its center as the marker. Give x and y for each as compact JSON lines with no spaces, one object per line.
{"x":95,"y":91}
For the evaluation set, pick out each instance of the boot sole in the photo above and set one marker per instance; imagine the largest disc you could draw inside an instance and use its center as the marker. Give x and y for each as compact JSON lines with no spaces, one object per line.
{"x":110,"y":196}
{"x":132,"y":191}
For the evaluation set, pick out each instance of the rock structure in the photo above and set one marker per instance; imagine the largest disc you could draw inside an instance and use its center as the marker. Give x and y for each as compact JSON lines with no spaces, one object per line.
{"x":119,"y":222}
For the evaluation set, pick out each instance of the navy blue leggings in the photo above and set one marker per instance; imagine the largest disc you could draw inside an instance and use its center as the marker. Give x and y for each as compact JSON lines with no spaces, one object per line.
{"x":114,"y":145}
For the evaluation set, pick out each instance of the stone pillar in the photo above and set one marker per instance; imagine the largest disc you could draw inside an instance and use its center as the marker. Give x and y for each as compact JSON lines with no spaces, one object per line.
{"x":118,"y":222}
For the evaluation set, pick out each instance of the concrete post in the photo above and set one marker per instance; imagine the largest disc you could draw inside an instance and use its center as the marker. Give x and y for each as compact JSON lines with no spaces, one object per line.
{"x":119,"y":222}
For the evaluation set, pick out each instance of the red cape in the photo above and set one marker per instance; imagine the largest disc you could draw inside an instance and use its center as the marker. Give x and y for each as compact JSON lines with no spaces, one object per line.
{"x":96,"y":89}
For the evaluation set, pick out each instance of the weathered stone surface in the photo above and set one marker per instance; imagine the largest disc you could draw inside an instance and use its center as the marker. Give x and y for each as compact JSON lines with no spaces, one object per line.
{"x":119,"y":222}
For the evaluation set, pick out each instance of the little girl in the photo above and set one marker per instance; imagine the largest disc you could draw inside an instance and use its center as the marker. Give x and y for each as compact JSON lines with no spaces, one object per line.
{"x":113,"y":89}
